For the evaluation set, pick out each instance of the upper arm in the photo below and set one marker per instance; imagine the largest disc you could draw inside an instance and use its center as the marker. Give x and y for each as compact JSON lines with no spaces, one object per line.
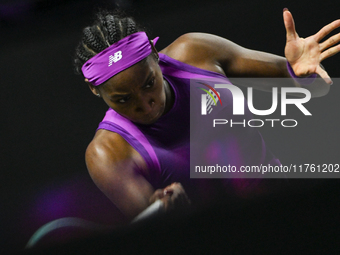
{"x":218,"y":54}
{"x":115,"y":167}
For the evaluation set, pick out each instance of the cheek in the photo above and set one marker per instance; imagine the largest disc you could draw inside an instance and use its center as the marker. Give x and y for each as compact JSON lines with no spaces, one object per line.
{"x":127,"y":113}
{"x":117,"y":108}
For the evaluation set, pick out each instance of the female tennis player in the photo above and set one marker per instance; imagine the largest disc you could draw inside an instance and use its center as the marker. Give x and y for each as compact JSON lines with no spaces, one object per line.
{"x":140,"y":151}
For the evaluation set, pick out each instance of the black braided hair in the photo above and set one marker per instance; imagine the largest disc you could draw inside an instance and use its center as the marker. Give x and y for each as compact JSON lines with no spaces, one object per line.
{"x":108,"y":28}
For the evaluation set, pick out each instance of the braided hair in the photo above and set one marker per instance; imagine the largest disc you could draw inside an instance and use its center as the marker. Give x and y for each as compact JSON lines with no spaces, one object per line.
{"x":108,"y":28}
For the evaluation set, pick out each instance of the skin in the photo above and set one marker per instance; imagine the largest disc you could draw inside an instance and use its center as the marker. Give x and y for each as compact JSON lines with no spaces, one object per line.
{"x":140,"y":94}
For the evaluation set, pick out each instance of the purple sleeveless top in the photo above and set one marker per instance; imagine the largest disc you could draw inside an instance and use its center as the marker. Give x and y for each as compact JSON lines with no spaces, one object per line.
{"x":164,"y":145}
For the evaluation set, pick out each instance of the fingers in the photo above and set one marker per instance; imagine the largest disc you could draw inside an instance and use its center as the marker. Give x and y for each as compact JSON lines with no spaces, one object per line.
{"x":289,"y":25}
{"x":330,"y":52}
{"x":175,"y":197}
{"x":168,"y":192}
{"x":330,"y":42}
{"x":179,"y":196}
{"x":326,"y":30}
{"x":324,"y":75}
{"x":161,"y":193}
{"x":158,"y":194}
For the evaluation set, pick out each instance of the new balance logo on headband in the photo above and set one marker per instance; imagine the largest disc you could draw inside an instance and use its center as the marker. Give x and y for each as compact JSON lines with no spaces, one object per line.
{"x":116,"y":57}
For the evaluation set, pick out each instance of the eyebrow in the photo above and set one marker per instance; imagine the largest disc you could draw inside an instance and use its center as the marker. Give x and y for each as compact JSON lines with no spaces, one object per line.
{"x":117,"y":95}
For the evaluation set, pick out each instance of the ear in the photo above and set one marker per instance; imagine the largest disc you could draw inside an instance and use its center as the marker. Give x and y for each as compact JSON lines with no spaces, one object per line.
{"x":93,"y":88}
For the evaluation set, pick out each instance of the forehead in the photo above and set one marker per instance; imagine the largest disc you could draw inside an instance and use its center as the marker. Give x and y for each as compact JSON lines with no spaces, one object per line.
{"x":130,"y":77}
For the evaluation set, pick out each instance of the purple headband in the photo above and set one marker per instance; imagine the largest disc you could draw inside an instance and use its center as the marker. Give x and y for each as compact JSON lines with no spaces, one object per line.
{"x":116,"y":58}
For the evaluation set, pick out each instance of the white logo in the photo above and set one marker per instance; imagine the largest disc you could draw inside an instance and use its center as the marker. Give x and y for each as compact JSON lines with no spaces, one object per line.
{"x":117,"y":56}
{"x":208,"y":101}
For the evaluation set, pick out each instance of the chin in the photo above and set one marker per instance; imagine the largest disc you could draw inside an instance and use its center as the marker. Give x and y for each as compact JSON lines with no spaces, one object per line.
{"x":150,"y":120}
{"x":144,"y":122}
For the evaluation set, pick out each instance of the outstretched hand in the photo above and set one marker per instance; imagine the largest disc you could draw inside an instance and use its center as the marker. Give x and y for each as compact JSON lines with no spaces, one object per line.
{"x":306,"y":54}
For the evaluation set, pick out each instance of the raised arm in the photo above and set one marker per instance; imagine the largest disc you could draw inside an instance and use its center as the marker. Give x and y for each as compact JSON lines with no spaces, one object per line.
{"x":220,"y":55}
{"x":217,"y":54}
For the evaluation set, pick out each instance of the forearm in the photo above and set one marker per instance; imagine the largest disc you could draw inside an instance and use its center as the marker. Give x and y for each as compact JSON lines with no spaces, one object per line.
{"x":256,"y":64}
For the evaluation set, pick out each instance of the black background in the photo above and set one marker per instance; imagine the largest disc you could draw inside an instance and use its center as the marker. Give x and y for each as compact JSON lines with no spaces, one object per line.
{"x":49,"y":115}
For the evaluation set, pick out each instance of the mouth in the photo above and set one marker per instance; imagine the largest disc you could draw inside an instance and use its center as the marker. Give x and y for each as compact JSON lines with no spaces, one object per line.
{"x":152,"y":117}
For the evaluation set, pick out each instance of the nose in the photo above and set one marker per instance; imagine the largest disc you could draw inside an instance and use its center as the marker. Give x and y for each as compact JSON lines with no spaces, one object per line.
{"x":145,"y":105}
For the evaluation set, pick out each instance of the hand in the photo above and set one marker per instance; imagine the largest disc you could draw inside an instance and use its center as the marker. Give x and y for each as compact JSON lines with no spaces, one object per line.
{"x":305,"y":54}
{"x":173,"y":197}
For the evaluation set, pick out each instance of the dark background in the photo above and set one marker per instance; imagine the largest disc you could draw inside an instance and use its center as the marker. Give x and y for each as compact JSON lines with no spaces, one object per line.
{"x":49,"y":115}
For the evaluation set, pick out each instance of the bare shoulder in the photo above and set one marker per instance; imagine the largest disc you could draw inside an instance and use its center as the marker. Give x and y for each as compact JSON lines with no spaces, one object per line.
{"x":203,"y":50}
{"x":108,"y":150}
{"x":106,"y":145}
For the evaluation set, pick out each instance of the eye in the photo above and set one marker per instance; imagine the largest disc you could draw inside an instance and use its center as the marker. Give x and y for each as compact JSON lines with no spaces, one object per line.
{"x":150,"y":83}
{"x":124,"y":99}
